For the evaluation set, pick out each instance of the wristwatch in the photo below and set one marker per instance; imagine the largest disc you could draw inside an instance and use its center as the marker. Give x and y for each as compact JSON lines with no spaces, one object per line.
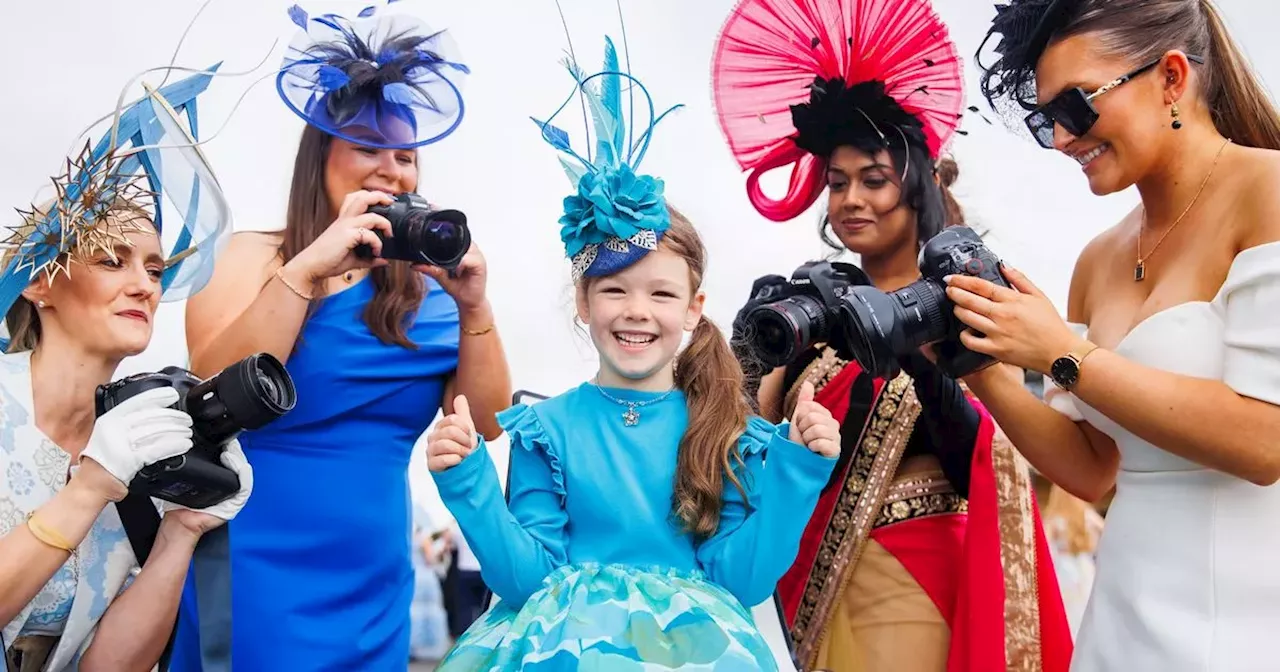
{"x":1065,"y":370}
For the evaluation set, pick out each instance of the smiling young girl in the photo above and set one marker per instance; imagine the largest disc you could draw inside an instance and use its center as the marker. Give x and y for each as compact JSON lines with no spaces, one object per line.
{"x":648,"y":511}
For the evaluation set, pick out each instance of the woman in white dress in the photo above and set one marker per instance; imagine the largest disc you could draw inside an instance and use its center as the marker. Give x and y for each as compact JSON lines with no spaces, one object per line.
{"x":1167,"y":379}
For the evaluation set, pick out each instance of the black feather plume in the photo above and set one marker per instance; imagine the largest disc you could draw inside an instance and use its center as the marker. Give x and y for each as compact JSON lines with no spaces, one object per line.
{"x":862,"y":116}
{"x":1023,"y":29}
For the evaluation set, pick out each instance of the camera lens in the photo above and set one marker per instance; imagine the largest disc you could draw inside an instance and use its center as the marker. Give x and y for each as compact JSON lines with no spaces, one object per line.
{"x":245,"y":395}
{"x":884,"y":326}
{"x":439,"y":238}
{"x":782,"y":330}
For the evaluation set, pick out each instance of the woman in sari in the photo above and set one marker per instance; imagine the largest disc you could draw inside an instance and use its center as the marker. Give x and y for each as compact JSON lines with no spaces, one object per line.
{"x":925,"y":551}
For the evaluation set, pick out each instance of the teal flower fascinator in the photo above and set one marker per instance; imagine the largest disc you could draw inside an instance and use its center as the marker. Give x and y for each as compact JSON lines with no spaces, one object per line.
{"x":615,"y":215}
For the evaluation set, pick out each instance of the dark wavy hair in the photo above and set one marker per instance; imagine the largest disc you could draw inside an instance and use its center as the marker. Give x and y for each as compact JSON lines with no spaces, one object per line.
{"x":1142,"y":31}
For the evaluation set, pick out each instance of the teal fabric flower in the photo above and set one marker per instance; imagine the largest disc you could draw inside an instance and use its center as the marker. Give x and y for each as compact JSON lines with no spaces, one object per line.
{"x":612,"y":203}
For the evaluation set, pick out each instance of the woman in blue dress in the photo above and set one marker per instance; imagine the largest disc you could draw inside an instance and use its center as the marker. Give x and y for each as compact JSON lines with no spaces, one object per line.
{"x":648,"y":510}
{"x":321,"y":575}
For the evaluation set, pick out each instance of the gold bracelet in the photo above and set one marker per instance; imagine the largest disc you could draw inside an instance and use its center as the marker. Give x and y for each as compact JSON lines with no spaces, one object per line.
{"x":295,"y":290}
{"x":48,"y":536}
{"x":477,"y":332}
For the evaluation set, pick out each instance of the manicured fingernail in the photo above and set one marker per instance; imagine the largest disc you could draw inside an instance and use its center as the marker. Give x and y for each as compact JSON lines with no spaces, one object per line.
{"x":947,"y":278}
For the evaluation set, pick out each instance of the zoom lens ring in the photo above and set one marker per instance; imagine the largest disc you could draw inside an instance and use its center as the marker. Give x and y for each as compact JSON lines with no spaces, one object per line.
{"x":933,"y":303}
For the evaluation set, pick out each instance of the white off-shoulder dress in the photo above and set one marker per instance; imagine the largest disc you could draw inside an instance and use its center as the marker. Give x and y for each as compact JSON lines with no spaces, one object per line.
{"x":1189,"y":562}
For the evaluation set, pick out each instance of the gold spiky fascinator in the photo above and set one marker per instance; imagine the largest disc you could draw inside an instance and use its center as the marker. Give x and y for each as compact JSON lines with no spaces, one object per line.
{"x":146,"y":171}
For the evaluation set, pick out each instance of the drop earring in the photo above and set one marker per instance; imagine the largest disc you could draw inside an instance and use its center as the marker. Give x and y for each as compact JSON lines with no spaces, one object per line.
{"x":1177,"y":122}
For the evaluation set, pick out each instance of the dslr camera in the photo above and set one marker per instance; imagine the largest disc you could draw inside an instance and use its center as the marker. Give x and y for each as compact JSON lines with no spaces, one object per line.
{"x":246,"y":395}
{"x":832,"y":304}
{"x":421,"y":234}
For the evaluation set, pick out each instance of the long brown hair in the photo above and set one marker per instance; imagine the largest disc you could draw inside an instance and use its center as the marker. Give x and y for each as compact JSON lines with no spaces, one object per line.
{"x":398,"y":289}
{"x":711,"y":379}
{"x":1143,"y":30}
{"x":23,"y":320}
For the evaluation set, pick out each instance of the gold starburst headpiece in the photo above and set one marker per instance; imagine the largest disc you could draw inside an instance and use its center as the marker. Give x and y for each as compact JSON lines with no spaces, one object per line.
{"x":147,"y":170}
{"x":79,"y":223}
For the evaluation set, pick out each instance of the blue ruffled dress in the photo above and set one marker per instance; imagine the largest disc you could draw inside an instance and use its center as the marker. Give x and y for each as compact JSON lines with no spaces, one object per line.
{"x":592,"y":572}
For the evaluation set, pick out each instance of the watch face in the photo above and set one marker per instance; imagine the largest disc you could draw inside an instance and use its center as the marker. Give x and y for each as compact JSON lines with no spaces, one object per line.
{"x":1065,"y":372}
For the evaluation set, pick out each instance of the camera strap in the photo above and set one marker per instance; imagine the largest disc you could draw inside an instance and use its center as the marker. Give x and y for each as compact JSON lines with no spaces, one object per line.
{"x":141,"y":524}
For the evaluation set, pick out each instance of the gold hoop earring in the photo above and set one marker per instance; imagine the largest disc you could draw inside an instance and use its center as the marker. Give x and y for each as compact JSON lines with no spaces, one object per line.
{"x":1177,"y":122}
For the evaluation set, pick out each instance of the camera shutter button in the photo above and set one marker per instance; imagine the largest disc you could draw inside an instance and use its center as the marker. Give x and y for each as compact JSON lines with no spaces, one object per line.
{"x":974,"y":266}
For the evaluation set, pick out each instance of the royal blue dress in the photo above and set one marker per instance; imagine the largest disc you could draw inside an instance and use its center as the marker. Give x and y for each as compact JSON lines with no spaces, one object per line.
{"x":591,"y":570}
{"x":320,"y":556}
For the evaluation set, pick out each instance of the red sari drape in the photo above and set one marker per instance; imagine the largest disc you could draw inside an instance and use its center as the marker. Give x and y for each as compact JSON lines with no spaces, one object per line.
{"x":1000,"y":599}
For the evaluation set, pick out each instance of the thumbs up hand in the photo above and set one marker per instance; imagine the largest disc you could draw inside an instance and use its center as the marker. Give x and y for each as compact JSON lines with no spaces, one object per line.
{"x":813,"y":426}
{"x":453,"y":438}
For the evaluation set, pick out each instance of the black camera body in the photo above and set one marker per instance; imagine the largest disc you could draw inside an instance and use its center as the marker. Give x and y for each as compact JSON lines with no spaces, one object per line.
{"x":421,"y":234}
{"x":246,"y":395}
{"x":844,"y":310}
{"x":807,"y":311}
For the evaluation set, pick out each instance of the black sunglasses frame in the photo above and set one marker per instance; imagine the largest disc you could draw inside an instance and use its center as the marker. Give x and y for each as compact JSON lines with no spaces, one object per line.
{"x":1073,"y":109}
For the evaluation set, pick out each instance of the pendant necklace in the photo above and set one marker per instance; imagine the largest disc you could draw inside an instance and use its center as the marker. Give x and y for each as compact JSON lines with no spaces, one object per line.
{"x":1140,"y":270}
{"x":631,"y":416}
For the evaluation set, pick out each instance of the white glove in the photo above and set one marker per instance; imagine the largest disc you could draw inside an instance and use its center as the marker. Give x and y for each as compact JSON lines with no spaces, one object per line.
{"x":232,"y":458}
{"x":142,"y":430}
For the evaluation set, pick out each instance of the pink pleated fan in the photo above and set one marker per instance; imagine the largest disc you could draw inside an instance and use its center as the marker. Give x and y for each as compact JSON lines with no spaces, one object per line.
{"x":770,"y":51}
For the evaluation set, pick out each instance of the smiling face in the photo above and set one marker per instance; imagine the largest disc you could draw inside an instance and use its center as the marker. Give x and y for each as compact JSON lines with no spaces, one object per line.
{"x":637,"y":319}
{"x":865,"y":204}
{"x":350,"y":167}
{"x":1133,"y":125}
{"x":106,"y":306}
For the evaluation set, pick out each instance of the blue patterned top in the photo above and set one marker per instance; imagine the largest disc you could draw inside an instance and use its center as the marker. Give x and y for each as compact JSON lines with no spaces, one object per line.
{"x":587,"y":488}
{"x":32,"y":471}
{"x":52,"y":605}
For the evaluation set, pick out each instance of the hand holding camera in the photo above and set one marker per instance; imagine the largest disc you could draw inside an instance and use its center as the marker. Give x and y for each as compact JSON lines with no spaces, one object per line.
{"x":335,"y":251}
{"x":837,"y":304}
{"x":453,"y":438}
{"x":203,"y":520}
{"x":1019,"y":325}
{"x":207,"y":469}
{"x":813,"y":426}
{"x":436,"y":242}
{"x":140,"y":431}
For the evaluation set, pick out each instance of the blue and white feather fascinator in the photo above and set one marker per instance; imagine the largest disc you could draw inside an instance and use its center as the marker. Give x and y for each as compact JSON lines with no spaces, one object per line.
{"x":148,"y":161}
{"x":616,"y":215}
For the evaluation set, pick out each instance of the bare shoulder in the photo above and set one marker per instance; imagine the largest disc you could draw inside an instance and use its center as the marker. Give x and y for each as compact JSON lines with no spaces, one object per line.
{"x":247,"y":261}
{"x":1093,"y":263}
{"x":1258,"y":197}
{"x":254,"y":244}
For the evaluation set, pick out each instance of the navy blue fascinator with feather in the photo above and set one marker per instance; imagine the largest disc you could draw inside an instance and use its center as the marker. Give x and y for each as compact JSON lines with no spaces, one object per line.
{"x":379,"y":80}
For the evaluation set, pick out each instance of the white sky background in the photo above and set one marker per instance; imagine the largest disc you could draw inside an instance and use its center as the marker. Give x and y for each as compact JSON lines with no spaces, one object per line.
{"x":65,"y":61}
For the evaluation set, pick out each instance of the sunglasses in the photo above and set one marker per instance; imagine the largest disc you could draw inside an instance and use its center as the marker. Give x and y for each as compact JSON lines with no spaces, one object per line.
{"x":1073,"y":109}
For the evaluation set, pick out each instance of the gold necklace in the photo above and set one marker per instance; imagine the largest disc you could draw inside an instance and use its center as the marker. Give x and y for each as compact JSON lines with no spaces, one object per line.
{"x":1140,"y":270}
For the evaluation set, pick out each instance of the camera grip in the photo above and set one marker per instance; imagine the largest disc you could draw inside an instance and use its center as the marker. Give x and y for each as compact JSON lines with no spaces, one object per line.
{"x":191,"y":480}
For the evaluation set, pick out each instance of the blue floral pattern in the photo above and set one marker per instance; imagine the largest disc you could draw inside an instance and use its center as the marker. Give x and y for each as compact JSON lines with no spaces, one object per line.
{"x":19,"y":479}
